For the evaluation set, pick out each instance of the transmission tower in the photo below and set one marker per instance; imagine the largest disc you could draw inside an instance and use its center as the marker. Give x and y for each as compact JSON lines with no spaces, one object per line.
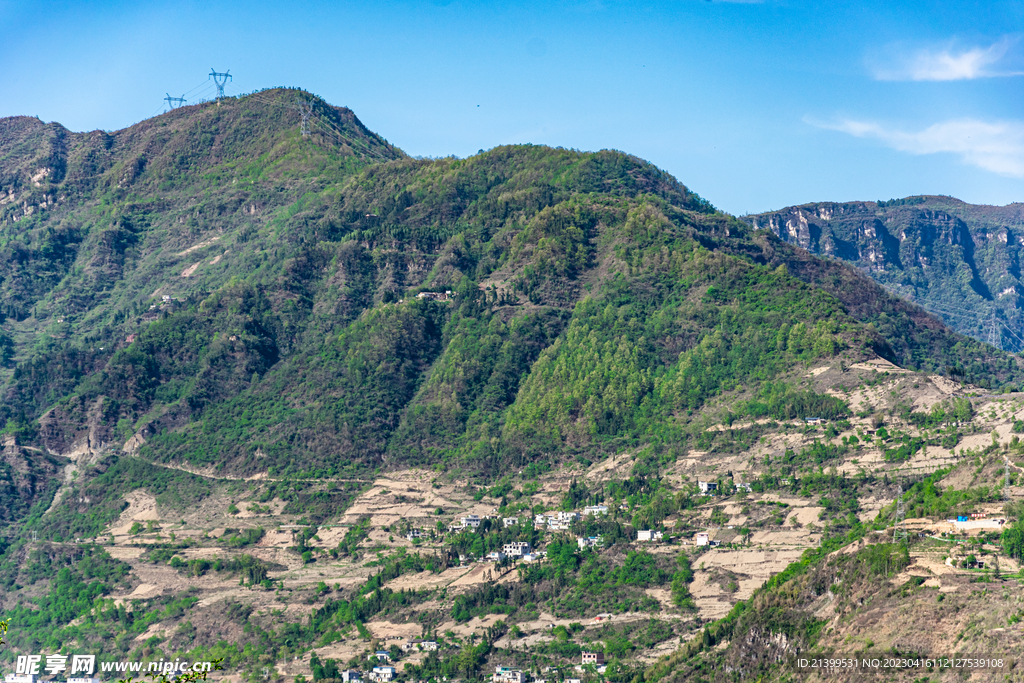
{"x":1006,"y":479}
{"x":899,"y":532}
{"x":220,"y":80}
{"x":175,"y":102}
{"x":306,"y":110}
{"x":993,"y":334}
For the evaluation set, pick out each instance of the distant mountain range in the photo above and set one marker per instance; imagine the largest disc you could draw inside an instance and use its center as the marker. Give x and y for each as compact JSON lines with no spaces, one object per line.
{"x":960,"y":261}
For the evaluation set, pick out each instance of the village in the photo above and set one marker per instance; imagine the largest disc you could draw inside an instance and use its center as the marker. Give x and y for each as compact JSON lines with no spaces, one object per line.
{"x":735,"y":514}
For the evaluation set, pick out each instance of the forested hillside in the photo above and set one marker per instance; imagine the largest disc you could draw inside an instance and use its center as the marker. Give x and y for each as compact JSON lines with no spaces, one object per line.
{"x":959,"y":261}
{"x":277,"y":399}
{"x":211,"y":287}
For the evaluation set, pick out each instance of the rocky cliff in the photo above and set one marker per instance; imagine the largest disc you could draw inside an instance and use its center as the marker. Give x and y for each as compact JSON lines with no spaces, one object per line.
{"x":960,"y":261}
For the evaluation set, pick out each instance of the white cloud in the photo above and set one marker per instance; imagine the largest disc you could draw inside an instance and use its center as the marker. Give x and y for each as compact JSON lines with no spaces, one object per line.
{"x":996,"y":146}
{"x":949,"y":64}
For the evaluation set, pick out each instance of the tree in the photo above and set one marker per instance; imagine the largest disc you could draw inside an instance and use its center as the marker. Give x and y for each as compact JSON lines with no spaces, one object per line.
{"x":1014,"y":509}
{"x":681,"y":597}
{"x":1013,"y":540}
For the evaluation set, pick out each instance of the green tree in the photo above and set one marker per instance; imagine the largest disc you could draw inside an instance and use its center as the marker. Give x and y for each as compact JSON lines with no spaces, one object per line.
{"x":681,"y":580}
{"x":1013,"y":540}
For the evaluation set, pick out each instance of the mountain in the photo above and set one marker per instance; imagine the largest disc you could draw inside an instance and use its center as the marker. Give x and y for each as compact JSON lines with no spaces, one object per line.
{"x":212,"y":288}
{"x":277,"y":399}
{"x":959,"y":261}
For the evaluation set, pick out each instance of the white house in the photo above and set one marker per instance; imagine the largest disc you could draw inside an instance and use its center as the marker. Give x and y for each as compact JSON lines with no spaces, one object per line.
{"x":436,"y":296}
{"x":382,"y":674}
{"x":701,"y":538}
{"x":509,"y":521}
{"x":20,"y":678}
{"x":707,"y":487}
{"x":471,"y":521}
{"x":590,"y":542}
{"x":419,"y":645}
{"x":649,"y":536}
{"x":595,"y":510}
{"x":496,"y":556}
{"x":506,"y":674}
{"x":560,"y":521}
{"x":351,"y":676}
{"x":595,"y":658}
{"x":381,"y":656}
{"x":414,"y":534}
{"x":516,"y":549}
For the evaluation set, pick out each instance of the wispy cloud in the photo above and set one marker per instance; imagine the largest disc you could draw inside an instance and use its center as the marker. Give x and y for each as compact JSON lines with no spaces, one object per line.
{"x":946,"y":64}
{"x":996,"y":146}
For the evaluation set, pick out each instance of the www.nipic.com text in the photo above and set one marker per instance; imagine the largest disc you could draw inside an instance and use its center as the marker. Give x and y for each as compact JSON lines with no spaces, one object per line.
{"x":86,"y":665}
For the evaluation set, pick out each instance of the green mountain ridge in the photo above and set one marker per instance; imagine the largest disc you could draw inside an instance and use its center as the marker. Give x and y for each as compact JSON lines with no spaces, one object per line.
{"x":224,"y":292}
{"x":233,"y":351}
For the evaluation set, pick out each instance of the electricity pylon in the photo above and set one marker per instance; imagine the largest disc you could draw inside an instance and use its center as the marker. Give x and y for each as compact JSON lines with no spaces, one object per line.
{"x":1006,"y":479}
{"x":899,"y":532}
{"x":306,"y":110}
{"x":220,"y":80}
{"x":993,"y":332}
{"x":175,"y":102}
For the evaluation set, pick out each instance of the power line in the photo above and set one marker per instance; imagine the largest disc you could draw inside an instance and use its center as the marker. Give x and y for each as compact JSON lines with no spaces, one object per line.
{"x":990,"y":327}
{"x":380,"y":155}
{"x":358,"y":146}
{"x":209,"y":89}
{"x":1016,"y":337}
{"x":201,"y":85}
{"x":175,"y":102}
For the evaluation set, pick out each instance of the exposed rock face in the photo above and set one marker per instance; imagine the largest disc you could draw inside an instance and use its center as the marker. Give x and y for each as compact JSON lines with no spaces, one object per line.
{"x":26,"y":476}
{"x":76,"y":428}
{"x":958,"y":260}
{"x":133,"y":444}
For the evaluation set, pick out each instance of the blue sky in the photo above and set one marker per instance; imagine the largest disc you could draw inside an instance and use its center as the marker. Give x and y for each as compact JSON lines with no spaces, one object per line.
{"x":754,"y":105}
